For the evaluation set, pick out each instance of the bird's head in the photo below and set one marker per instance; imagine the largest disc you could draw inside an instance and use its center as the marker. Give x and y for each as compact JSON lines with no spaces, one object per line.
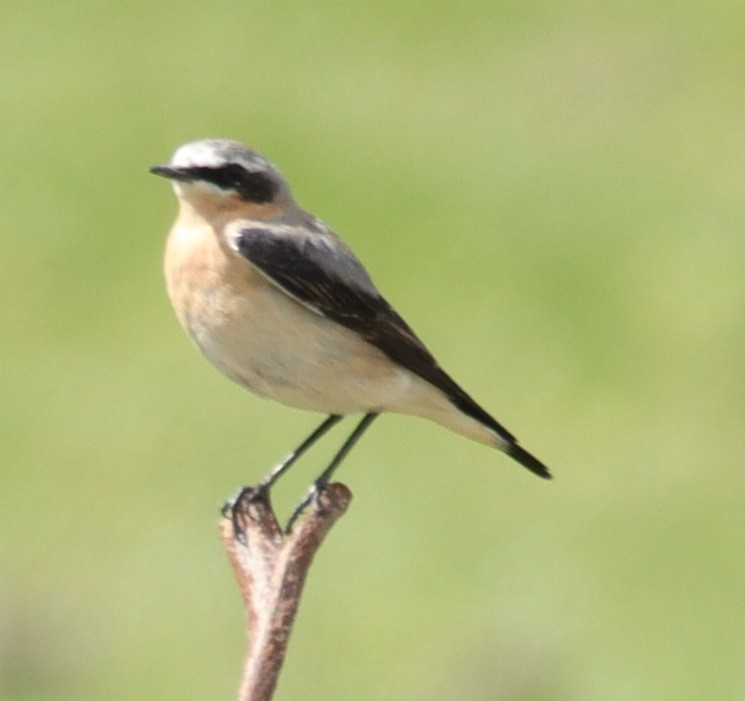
{"x":218,"y":168}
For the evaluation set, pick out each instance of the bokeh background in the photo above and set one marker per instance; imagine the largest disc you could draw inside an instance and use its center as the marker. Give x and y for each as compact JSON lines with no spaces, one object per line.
{"x":550,"y":192}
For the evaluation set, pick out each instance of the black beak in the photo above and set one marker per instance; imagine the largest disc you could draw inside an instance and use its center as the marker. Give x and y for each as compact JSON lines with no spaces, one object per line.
{"x":172,"y":173}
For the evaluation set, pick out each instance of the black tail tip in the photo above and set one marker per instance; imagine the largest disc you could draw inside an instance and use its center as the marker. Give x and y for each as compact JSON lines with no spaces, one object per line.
{"x":527,"y":460}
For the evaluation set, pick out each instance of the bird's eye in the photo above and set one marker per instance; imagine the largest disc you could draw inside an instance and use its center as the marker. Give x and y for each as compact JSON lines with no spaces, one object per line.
{"x":230,"y":175}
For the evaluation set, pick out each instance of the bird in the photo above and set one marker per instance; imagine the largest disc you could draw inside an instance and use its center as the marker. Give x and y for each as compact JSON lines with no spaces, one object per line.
{"x":283,"y":307}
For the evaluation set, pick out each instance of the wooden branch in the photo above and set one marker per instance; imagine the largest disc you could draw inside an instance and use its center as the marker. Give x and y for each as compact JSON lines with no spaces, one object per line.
{"x":270,"y":566}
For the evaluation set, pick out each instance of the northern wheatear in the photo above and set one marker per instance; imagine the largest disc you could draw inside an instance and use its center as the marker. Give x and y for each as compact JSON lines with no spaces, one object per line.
{"x":283,"y":307}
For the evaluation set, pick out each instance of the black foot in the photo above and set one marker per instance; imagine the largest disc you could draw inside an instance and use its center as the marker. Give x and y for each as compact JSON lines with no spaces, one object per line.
{"x":240,"y":502}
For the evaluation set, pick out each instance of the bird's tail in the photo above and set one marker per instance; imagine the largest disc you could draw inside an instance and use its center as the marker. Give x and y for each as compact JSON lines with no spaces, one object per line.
{"x":457,"y":411}
{"x":501,"y":437}
{"x":527,"y":460}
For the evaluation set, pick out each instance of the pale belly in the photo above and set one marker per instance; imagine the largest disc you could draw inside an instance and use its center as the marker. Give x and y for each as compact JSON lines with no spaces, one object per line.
{"x":277,"y":348}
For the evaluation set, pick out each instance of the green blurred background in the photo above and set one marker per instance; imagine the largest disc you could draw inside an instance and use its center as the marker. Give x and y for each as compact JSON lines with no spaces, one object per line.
{"x":550,"y":192}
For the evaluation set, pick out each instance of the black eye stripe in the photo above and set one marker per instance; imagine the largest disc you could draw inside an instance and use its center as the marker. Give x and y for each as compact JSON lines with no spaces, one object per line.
{"x":251,"y":186}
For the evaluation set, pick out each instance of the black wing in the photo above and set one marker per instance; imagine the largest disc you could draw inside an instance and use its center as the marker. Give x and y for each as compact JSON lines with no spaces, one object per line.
{"x":319,"y":271}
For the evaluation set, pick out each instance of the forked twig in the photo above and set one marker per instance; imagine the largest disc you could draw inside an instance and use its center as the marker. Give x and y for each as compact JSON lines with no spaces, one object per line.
{"x":270,"y":567}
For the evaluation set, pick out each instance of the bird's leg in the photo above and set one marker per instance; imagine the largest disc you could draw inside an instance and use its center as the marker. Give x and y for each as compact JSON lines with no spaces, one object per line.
{"x":280,"y":469}
{"x":325,"y":476}
{"x":263,"y":486}
{"x":266,"y":483}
